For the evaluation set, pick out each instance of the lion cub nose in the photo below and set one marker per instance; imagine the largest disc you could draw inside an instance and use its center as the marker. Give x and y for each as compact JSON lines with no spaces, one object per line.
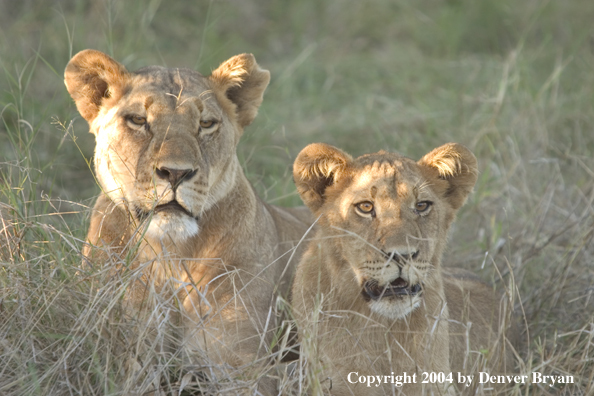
{"x":174,"y":176}
{"x":402,"y":254}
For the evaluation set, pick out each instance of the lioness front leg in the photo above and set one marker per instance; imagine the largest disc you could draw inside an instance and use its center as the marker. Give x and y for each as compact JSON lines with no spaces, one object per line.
{"x":229,"y":329}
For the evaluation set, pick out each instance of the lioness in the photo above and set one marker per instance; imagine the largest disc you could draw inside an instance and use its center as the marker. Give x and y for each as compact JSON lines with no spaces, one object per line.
{"x":174,"y":194}
{"x":370,"y":296}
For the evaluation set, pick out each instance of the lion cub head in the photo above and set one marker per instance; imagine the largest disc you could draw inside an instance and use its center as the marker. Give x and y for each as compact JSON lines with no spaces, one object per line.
{"x":166,"y":137}
{"x":387,"y":216}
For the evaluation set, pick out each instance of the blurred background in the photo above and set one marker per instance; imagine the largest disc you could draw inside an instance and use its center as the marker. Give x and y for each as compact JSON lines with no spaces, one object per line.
{"x":508,"y":79}
{"x":511,"y":80}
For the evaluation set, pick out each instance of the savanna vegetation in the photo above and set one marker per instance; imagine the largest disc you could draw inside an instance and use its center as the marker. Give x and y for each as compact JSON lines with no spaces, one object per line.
{"x":511,"y":80}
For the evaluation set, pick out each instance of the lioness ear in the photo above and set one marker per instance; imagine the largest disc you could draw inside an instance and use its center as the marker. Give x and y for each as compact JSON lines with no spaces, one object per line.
{"x":318,"y":166}
{"x":91,"y":77}
{"x":243,"y":83}
{"x":456,"y":166}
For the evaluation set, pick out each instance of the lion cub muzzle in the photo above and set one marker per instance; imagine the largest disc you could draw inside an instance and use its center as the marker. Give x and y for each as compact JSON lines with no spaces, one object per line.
{"x":401,"y":256}
{"x":401,"y":285}
{"x":397,"y":288}
{"x":393,"y":286}
{"x":397,"y":297}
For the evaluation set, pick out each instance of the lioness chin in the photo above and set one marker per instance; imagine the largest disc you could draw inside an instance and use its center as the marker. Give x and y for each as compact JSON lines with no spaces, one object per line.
{"x":370,"y":296}
{"x":175,"y":199}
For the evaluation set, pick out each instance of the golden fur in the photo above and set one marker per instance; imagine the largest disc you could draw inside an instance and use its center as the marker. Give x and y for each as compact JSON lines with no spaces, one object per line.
{"x":370,"y":295}
{"x":174,"y":194}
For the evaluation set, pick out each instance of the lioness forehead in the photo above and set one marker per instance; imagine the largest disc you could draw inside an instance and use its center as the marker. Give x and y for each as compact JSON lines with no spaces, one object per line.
{"x":170,"y":80}
{"x":171,"y":84}
{"x":169,"y":89}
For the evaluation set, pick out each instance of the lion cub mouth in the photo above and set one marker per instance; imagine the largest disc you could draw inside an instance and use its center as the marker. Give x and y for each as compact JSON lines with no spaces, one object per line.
{"x":397,"y":288}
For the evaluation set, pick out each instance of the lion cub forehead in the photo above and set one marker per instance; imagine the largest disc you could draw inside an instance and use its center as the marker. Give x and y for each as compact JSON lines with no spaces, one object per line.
{"x":386,"y":170}
{"x":383,"y":164}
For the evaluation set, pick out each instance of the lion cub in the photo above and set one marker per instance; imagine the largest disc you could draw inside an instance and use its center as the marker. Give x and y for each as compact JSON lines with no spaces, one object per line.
{"x":370,"y":296}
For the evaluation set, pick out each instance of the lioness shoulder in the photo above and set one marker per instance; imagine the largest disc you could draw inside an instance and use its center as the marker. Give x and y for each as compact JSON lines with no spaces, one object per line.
{"x":370,"y":295}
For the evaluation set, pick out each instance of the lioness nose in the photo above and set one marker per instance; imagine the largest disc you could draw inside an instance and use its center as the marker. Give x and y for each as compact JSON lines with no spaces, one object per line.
{"x":174,"y":176}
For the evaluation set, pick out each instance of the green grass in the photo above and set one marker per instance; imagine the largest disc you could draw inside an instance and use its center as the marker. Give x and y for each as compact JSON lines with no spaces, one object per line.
{"x":511,"y":80}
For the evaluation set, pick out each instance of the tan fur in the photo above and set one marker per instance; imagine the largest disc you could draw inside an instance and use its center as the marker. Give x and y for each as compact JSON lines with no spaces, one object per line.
{"x":341,"y":295}
{"x":229,"y":248}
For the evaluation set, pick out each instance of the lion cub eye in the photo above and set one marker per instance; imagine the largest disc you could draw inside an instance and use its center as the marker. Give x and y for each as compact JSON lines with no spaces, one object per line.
{"x":365,"y":208}
{"x":206,"y":124}
{"x":422,"y":206}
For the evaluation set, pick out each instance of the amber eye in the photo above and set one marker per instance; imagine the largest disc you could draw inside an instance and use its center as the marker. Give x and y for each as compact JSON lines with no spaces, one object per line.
{"x":422,"y":206}
{"x":207,"y":124}
{"x":137,"y":120}
{"x":365,"y":208}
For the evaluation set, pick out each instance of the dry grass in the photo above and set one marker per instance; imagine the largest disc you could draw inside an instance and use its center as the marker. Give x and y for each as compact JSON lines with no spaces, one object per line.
{"x":510,"y":80}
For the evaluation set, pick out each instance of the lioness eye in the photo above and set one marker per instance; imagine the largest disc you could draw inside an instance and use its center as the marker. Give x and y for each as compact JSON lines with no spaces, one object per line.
{"x":138,"y":120}
{"x":365,"y":207}
{"x":206,"y":124}
{"x":422,"y":206}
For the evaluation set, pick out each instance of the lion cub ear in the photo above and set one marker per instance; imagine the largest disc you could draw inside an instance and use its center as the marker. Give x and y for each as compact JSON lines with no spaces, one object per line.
{"x":243,"y":83}
{"x":456,"y":168}
{"x":91,"y":77}
{"x":317,"y":167}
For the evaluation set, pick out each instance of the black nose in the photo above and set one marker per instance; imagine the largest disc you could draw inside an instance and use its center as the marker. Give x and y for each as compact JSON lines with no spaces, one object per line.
{"x":401,"y":258}
{"x":175,"y":176}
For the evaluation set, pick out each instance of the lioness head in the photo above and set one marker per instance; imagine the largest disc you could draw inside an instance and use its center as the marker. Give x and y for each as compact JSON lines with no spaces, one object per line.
{"x":166,"y":137}
{"x":387,"y":216}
